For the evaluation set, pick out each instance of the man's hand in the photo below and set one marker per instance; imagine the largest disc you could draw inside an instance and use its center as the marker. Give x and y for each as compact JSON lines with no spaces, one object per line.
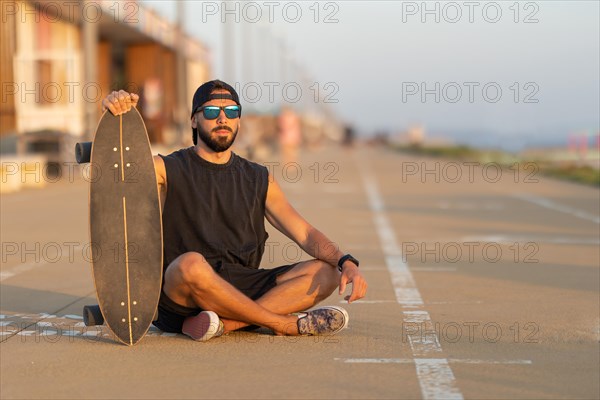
{"x":351,"y":274}
{"x":120,"y":102}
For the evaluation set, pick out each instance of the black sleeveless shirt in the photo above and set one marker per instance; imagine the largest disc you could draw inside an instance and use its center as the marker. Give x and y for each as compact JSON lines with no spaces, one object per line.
{"x":217,"y":210}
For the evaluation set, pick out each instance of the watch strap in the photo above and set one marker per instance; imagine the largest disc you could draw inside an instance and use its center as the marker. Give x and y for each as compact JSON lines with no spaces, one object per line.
{"x":347,"y":257}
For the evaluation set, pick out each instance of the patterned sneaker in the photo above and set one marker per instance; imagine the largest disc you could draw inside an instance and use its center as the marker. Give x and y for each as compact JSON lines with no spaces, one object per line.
{"x":327,"y":320}
{"x":203,"y":326}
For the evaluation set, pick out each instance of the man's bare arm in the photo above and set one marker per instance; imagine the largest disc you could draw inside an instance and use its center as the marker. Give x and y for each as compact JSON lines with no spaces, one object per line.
{"x":288,"y":221}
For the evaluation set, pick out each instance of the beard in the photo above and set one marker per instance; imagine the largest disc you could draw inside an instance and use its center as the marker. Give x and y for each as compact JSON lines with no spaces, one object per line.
{"x":217,"y":143}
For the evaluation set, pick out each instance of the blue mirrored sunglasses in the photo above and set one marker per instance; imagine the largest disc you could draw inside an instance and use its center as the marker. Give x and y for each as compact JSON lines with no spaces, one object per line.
{"x":212,"y":112}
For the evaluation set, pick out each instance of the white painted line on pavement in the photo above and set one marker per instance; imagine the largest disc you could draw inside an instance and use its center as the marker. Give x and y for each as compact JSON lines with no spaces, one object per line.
{"x":19,"y":269}
{"x":429,"y":370}
{"x":435,"y":376}
{"x":412,"y":361}
{"x":422,"y":345}
{"x":428,"y":303}
{"x":540,"y":201}
{"x":535,"y":239}
{"x":364,"y":302}
{"x":413,"y":269}
{"x":5,"y":275}
{"x":472,"y":361}
{"x":71,"y":316}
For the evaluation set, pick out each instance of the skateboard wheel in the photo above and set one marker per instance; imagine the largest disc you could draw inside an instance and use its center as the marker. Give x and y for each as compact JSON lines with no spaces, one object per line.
{"x":92,"y":315}
{"x":83,"y":152}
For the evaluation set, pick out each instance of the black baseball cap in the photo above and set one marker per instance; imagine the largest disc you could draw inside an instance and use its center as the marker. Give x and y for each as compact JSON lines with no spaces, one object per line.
{"x":204,"y":94}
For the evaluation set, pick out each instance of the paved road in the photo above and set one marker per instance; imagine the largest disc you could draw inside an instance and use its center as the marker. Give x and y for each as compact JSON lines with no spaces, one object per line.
{"x":483,"y":284}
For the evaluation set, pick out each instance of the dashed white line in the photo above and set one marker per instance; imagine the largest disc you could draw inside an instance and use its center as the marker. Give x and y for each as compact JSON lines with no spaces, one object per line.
{"x":422,"y":345}
{"x":429,"y":370}
{"x":540,"y":201}
{"x":435,"y":376}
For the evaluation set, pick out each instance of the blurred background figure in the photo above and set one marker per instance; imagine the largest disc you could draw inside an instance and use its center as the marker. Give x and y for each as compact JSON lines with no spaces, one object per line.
{"x":290,"y":134}
{"x":150,"y":105}
{"x":349,"y":136}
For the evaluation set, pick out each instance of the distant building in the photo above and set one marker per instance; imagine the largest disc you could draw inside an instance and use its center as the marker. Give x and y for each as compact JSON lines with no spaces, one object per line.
{"x":53,"y":81}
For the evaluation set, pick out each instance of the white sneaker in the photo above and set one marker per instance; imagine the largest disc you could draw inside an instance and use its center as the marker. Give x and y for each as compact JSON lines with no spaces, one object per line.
{"x":203,"y":326}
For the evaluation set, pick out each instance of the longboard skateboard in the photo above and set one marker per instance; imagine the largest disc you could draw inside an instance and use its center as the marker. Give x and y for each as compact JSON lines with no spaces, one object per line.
{"x":125,"y":226}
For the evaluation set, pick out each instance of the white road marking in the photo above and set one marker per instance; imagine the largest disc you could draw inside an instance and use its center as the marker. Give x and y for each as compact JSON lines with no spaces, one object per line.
{"x":507,"y":239}
{"x":58,"y":326}
{"x":429,"y":370}
{"x":422,"y":345}
{"x":428,"y":303}
{"x":540,"y":201}
{"x":19,"y":269}
{"x":364,"y":302}
{"x":71,"y":316}
{"x":412,"y":361}
{"x":435,"y":376}
{"x":6,"y":275}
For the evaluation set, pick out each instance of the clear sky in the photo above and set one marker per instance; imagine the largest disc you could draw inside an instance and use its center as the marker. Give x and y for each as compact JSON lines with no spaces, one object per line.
{"x":488,"y":72}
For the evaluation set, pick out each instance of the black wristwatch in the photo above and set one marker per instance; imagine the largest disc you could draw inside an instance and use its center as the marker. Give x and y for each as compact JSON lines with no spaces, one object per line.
{"x":347,"y":257}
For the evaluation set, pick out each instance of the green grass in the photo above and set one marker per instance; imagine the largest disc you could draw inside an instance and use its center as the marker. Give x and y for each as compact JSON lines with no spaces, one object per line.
{"x":570,"y":172}
{"x":581,"y":174}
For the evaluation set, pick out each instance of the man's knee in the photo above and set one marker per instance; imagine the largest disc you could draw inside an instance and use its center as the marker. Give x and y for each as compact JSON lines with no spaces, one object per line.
{"x":192,"y":268}
{"x":325,"y":275}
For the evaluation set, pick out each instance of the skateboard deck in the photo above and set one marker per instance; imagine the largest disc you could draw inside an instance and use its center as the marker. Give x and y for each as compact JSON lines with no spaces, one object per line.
{"x":125,"y":226}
